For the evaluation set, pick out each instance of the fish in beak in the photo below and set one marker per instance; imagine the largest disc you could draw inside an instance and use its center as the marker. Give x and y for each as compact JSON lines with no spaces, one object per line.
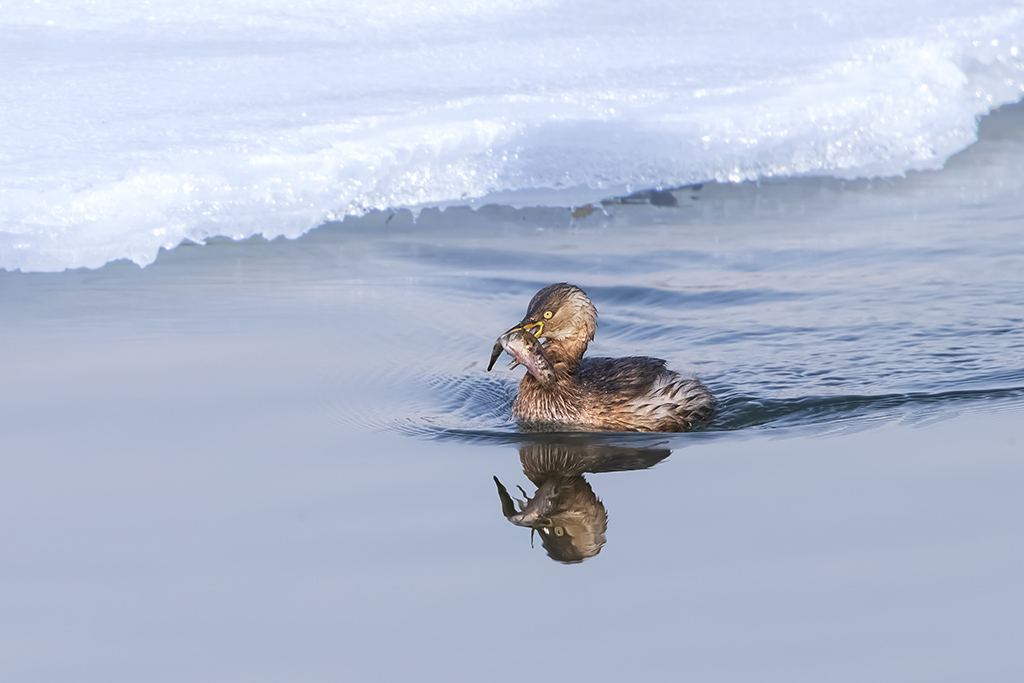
{"x":523,"y":345}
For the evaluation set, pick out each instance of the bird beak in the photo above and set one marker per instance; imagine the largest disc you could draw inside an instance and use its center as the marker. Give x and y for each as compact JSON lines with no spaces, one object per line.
{"x":536,"y":329}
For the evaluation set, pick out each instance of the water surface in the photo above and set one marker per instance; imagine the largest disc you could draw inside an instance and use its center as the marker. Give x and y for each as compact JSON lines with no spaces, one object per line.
{"x":265,"y":460}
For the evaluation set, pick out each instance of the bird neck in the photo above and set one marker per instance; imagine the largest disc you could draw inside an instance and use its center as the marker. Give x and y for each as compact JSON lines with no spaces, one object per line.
{"x":565,"y":354}
{"x":559,"y":400}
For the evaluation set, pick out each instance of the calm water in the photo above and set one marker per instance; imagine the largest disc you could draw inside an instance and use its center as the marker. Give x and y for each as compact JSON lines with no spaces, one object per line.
{"x":266,"y":461}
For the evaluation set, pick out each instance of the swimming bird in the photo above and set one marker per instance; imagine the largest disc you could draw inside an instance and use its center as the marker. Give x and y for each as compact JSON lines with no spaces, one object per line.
{"x":561,"y":388}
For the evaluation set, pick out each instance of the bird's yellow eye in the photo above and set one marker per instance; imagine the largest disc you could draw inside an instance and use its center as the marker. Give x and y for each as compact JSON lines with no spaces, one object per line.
{"x":547,"y":315}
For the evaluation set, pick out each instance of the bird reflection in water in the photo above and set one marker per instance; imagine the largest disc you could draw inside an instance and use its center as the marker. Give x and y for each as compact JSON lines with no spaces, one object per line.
{"x":564,"y":510}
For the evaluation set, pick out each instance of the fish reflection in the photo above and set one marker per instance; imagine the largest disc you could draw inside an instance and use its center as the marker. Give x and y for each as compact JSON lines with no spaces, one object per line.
{"x":564,"y":510}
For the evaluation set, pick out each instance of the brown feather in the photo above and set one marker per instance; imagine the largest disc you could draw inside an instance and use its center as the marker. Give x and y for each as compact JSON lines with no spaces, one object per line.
{"x":621,"y":394}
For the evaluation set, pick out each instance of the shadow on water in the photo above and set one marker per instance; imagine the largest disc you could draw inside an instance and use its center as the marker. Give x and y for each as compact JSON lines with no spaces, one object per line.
{"x":564,"y":510}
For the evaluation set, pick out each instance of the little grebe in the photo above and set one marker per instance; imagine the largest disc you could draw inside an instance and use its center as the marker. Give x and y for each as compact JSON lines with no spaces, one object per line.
{"x":562,"y":387}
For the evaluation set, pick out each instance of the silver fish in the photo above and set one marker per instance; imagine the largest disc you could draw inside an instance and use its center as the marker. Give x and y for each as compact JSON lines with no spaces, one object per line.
{"x":525,"y":350}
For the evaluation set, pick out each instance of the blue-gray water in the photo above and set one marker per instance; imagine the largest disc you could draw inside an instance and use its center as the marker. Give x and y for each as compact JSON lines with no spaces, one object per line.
{"x":266,"y":461}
